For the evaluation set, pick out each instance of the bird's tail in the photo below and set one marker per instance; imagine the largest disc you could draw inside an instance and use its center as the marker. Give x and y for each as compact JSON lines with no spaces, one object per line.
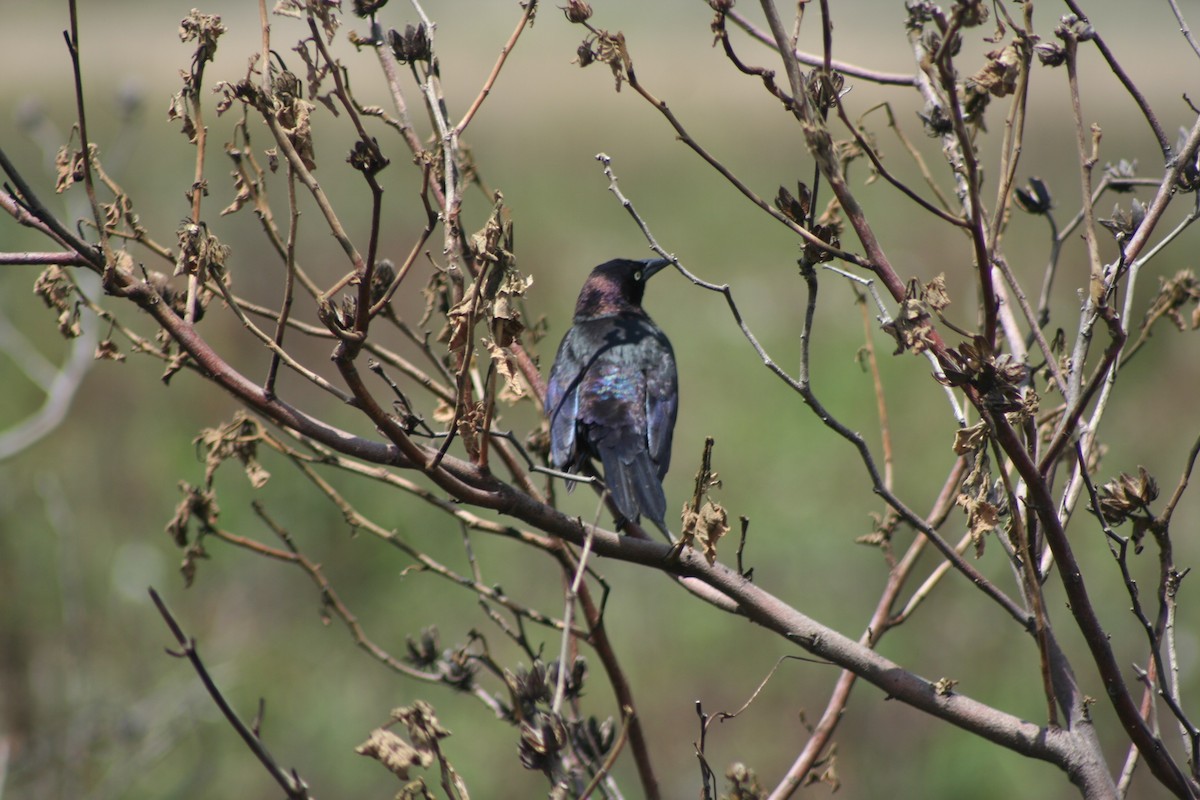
{"x":635,"y":486}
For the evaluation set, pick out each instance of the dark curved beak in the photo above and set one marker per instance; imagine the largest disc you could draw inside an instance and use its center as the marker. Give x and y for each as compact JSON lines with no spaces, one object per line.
{"x":651,"y":266}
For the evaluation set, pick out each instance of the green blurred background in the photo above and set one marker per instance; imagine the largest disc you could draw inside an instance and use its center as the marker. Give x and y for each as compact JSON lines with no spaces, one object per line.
{"x":91,"y":707}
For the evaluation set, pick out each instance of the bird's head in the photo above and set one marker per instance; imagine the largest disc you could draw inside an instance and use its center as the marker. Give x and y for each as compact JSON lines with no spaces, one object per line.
{"x":615,"y":287}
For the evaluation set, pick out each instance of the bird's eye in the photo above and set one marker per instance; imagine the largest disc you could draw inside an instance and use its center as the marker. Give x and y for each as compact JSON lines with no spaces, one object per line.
{"x":637,"y":276}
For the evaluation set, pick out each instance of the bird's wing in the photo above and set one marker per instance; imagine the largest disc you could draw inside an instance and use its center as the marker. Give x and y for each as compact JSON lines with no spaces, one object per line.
{"x":662,"y":401}
{"x":612,"y":398}
{"x":562,"y":402}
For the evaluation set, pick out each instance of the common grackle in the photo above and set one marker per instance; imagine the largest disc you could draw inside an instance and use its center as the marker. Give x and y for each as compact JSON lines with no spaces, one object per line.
{"x":613,"y":391}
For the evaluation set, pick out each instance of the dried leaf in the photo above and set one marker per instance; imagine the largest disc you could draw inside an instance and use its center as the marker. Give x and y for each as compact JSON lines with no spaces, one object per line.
{"x":107,"y":350}
{"x":242,"y":194}
{"x":743,"y":783}
{"x":502,"y":359}
{"x":913,"y":325}
{"x":204,"y":29}
{"x":200,"y":252}
{"x":795,"y":208}
{"x":68,"y":168}
{"x":934,"y":293}
{"x":422,"y":723}
{"x":56,"y":288}
{"x":607,"y":48}
{"x":237,"y":439}
{"x":968,"y":440}
{"x":1174,"y":295}
{"x":975,"y":498}
{"x":394,"y":753}
{"x":198,"y":504}
{"x":68,"y":323}
{"x":999,"y":75}
{"x":296,"y":121}
{"x":706,"y":526}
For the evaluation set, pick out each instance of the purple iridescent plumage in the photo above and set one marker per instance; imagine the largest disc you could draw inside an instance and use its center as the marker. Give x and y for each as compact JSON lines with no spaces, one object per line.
{"x":613,"y":391}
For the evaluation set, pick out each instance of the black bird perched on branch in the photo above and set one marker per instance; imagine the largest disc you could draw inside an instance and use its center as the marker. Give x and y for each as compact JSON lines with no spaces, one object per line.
{"x":613,"y":391}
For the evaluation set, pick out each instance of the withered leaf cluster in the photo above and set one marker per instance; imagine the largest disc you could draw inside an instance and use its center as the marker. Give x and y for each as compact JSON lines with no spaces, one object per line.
{"x":743,"y":783}
{"x":456,"y":666}
{"x":704,"y":521}
{"x":1127,"y":495}
{"x":238,"y":439}
{"x":68,"y":166}
{"x":285,"y":103}
{"x":576,"y":11}
{"x":1175,"y":294}
{"x":200,"y":251}
{"x":913,"y":324}
{"x":977,"y":495}
{"x":204,"y":29}
{"x":998,"y":378}
{"x":998,"y":75}
{"x":607,"y":48}
{"x":1121,"y":224}
{"x":1034,"y":198}
{"x":200,"y":506}
{"x":57,"y":289}
{"x":411,"y":46}
{"x":492,"y":304}
{"x":421,"y":751}
{"x":828,"y":228}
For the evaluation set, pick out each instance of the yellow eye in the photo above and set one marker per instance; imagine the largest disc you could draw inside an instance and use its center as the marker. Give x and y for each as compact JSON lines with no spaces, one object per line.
{"x":637,"y":276}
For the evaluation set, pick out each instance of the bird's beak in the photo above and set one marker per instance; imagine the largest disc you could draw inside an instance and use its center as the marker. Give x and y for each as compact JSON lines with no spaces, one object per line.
{"x":650,"y":266}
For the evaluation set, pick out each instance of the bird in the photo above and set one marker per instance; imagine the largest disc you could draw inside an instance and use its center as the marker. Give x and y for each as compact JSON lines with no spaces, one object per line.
{"x":613,"y":392}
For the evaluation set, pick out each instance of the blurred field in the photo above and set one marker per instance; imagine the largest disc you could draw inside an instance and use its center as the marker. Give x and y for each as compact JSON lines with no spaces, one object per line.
{"x":91,"y":707}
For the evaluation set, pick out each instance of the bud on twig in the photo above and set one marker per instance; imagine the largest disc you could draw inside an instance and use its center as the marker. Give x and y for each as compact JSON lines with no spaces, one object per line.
{"x":577,"y":11}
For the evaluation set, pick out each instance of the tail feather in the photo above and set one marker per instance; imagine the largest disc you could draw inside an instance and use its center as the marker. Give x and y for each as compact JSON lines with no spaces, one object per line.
{"x":635,"y":486}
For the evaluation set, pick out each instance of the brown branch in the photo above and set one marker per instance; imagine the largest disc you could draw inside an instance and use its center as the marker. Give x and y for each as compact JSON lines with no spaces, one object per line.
{"x":67,"y":259}
{"x":973,"y":199}
{"x":1087,"y":160}
{"x":1014,"y":133}
{"x":289,"y":283}
{"x":820,"y":145}
{"x":1151,"y":747}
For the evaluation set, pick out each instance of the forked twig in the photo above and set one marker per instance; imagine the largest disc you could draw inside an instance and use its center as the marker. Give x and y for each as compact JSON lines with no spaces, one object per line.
{"x":289,"y":781}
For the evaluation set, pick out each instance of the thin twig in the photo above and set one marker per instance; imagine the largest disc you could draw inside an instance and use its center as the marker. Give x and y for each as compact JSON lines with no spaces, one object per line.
{"x":530,"y":9}
{"x":86,"y":144}
{"x":1143,"y":105}
{"x":291,"y":783}
{"x":852,"y":70}
{"x":1183,"y":26}
{"x":568,"y":618}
